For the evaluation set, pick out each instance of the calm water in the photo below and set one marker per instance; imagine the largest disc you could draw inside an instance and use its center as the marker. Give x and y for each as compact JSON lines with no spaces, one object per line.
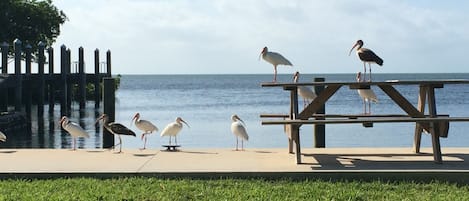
{"x":206,"y":102}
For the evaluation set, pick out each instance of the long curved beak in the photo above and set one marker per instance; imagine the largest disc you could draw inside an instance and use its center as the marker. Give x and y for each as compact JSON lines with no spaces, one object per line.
{"x":352,"y":48}
{"x":260,"y":56}
{"x":240,"y":120}
{"x":185,"y":123}
{"x":97,"y":120}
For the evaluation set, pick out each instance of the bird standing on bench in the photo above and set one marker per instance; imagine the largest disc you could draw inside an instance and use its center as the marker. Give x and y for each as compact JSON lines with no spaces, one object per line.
{"x":367,"y":95}
{"x":115,"y":129}
{"x":304,"y":91}
{"x":367,"y":56}
{"x":239,"y":130}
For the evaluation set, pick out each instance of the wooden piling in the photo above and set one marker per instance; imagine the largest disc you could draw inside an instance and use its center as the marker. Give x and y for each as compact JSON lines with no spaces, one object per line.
{"x":63,"y":74}
{"x":320,"y":130}
{"x":109,"y":100}
{"x":108,"y":63}
{"x":19,"y":77}
{"x":4,"y":98}
{"x":27,"y":84}
{"x":40,"y":99}
{"x":97,"y":86}
{"x":82,"y":80}
{"x":69,"y":82}
{"x":50,"y":53}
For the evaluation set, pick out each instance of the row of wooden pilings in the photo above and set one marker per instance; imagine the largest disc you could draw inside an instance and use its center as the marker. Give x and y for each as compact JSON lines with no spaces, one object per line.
{"x":24,"y":83}
{"x":27,"y":87}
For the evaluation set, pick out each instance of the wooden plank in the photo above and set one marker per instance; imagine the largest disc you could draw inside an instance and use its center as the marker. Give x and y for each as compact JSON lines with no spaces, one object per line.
{"x":435,"y":83}
{"x":319,"y":101}
{"x":418,"y":127}
{"x":435,"y":131}
{"x":364,"y":120}
{"x":295,"y":129}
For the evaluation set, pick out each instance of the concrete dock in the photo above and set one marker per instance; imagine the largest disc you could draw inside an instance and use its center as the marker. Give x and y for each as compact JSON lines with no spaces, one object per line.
{"x":328,"y":163}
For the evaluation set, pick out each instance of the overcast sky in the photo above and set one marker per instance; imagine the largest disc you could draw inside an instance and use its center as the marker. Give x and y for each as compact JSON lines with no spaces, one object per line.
{"x":226,"y":36}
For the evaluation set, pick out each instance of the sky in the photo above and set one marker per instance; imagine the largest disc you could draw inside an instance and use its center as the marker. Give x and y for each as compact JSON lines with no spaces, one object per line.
{"x":227,"y":36}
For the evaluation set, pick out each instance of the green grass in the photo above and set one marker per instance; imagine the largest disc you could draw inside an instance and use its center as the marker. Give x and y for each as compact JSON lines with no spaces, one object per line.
{"x":225,"y":189}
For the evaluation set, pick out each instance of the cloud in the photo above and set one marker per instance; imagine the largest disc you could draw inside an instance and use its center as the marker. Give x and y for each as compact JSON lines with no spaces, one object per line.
{"x":226,"y":36}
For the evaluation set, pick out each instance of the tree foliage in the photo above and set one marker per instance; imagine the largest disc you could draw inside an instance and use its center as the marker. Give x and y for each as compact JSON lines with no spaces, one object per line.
{"x":30,"y":21}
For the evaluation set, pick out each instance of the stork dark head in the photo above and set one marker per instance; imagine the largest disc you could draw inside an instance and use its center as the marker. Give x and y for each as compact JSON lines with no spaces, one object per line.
{"x":359,"y":43}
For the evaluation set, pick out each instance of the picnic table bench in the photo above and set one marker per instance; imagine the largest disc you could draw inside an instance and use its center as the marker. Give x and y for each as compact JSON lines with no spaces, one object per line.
{"x":435,"y":124}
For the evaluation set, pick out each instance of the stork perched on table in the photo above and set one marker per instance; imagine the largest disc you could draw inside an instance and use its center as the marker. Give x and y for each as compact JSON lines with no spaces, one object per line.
{"x":367,"y":95}
{"x":275,"y":59}
{"x":307,"y":93}
{"x":115,"y":129}
{"x":367,"y":56}
{"x":3,"y":137}
{"x":146,"y":126}
{"x":73,"y":129}
{"x":239,"y":130}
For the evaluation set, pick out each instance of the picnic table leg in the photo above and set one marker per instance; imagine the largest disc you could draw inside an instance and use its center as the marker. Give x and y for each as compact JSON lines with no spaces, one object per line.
{"x":295,"y":129}
{"x":434,"y":126}
{"x":418,"y":127}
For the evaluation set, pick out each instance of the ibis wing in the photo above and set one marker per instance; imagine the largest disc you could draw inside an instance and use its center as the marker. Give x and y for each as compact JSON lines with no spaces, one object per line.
{"x":76,"y":130}
{"x":121,"y":129}
{"x":369,"y":56}
{"x":239,"y":130}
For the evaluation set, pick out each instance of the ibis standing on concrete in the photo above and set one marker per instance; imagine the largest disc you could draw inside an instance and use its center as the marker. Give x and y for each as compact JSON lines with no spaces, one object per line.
{"x":367,"y":95}
{"x":115,"y":129}
{"x":173,"y":129}
{"x":73,"y":129}
{"x":146,"y":126}
{"x":239,"y":130}
{"x":3,"y":137}
{"x":275,"y":59}
{"x":367,"y":56}
{"x":304,"y":91}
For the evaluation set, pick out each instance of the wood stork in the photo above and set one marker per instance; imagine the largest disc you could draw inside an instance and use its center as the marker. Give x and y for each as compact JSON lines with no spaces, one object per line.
{"x":146,"y":126}
{"x":307,"y":93}
{"x":239,"y":130}
{"x":115,"y":129}
{"x":367,"y":95}
{"x":275,"y":59}
{"x":173,"y":129}
{"x":367,"y":56}
{"x":3,"y":137}
{"x":73,"y":129}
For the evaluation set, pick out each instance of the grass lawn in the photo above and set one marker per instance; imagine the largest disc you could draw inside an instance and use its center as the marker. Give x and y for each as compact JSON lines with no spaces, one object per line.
{"x":139,"y":188}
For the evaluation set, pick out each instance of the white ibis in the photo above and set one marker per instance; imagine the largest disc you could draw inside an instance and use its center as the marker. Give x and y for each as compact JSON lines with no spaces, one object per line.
{"x":275,"y":59}
{"x":115,"y":129}
{"x":3,"y":137}
{"x":307,"y":93}
{"x":367,"y":56}
{"x":73,"y":129}
{"x":146,"y":126}
{"x":239,"y":130}
{"x":367,"y":95}
{"x":173,"y":129}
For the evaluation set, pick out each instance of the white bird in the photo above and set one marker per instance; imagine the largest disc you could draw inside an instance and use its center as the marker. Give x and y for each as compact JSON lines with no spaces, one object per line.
{"x":146,"y":126}
{"x":367,"y":56}
{"x":275,"y":59}
{"x":367,"y":95}
{"x":73,"y":129}
{"x":173,"y":129}
{"x":239,"y":130}
{"x":115,"y":129}
{"x":3,"y":137}
{"x":307,"y":93}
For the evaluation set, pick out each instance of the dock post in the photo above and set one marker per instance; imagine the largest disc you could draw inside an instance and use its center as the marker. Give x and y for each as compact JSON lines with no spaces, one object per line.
{"x":4,"y":99}
{"x":97,"y":86}
{"x":51,"y":91}
{"x":63,"y":81}
{"x":19,"y":78}
{"x":82,"y":75}
{"x":41,"y":60}
{"x":109,"y":100}
{"x":28,"y":85}
{"x":108,"y":63}
{"x":320,"y":130}
{"x":69,"y":80}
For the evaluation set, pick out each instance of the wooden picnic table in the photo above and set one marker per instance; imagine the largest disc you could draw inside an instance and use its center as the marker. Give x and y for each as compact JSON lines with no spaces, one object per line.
{"x":433,"y":123}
